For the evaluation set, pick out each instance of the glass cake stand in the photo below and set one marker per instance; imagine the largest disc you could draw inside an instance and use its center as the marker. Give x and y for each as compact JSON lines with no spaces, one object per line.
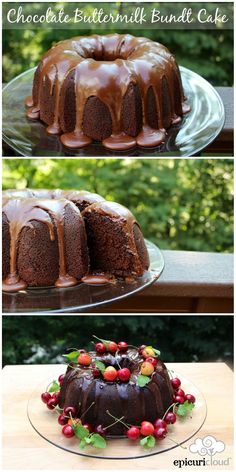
{"x":82,"y":297}
{"x":196,"y":131}
{"x":45,"y":423}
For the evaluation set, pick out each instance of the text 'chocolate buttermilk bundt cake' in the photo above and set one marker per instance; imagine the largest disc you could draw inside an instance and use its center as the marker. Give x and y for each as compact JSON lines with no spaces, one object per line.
{"x":56,"y":237}
{"x":118,"y":89}
{"x":116,"y":381}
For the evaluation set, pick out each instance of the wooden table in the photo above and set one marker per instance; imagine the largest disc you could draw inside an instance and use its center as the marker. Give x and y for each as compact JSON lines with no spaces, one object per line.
{"x":192,"y":282}
{"x":24,"y":449}
{"x":223,"y":144}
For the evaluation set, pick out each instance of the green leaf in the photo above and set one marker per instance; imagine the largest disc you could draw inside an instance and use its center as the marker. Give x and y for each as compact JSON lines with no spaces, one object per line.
{"x":148,"y":441}
{"x":100,"y":365}
{"x":80,"y":431}
{"x":143,"y":380}
{"x":82,"y":444}
{"x":54,"y":387}
{"x":185,"y":408}
{"x":88,"y":440}
{"x":72,"y":357}
{"x":98,"y":441}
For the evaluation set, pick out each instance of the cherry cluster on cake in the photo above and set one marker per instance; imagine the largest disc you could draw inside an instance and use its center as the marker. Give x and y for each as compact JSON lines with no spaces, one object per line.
{"x":100,"y":395}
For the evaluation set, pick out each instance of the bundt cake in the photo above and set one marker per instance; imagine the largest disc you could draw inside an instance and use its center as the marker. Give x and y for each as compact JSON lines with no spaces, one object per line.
{"x":96,"y":399}
{"x":56,"y":237}
{"x":118,"y":89}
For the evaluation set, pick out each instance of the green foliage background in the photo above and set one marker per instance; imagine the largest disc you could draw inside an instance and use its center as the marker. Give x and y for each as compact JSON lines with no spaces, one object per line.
{"x":42,"y":339}
{"x":207,"y":52}
{"x":183,"y":204}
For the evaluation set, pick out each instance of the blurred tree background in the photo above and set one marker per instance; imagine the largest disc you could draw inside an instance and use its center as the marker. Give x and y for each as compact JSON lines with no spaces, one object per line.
{"x":207,"y":52}
{"x":42,"y":339}
{"x":181,"y":204}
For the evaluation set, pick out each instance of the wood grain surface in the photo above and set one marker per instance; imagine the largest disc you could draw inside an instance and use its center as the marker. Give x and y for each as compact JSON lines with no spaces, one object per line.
{"x":24,"y":449}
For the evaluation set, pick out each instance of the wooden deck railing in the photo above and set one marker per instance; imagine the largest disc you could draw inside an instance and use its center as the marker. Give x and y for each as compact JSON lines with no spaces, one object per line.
{"x":192,"y":282}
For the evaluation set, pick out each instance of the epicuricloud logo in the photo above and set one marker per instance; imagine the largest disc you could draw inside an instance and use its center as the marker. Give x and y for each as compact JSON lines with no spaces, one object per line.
{"x":207,"y":446}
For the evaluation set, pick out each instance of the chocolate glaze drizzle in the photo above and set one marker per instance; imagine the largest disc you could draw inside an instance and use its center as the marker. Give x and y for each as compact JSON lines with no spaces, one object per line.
{"x":104,"y":67}
{"x":80,"y":389}
{"x":20,"y":213}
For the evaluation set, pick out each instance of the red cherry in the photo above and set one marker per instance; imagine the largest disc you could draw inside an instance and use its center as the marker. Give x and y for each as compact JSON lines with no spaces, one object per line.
{"x":45,"y":397}
{"x":52,"y":402}
{"x":175,"y":383}
{"x":68,"y":431}
{"x":112,"y":347}
{"x":124,"y":374}
{"x":152,"y":361}
{"x":99,"y":430}
{"x":133,"y":433}
{"x":82,"y":351}
{"x":147,"y":428}
{"x":122,"y":346}
{"x":110,"y":374}
{"x":190,"y":398}
{"x":96,"y":372}
{"x":160,"y":433}
{"x":100,"y":348}
{"x":70,"y":411}
{"x":179,"y":399}
{"x":170,"y":417}
{"x":88,"y":426}
{"x":159,"y":423}
{"x":141,"y":348}
{"x":55,"y":395}
{"x":62,"y":419}
{"x":84,"y":359}
{"x":180,"y":392}
{"x":61,"y":378}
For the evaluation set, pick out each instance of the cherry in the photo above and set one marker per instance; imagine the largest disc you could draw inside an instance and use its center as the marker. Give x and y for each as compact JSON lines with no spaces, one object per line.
{"x":61,"y":378}
{"x":68,"y":431}
{"x":175,"y":383}
{"x":100,"y":430}
{"x":100,"y":348}
{"x":62,"y":419}
{"x":84,"y":359}
{"x":112,"y":347}
{"x":147,"y":428}
{"x":147,"y":368}
{"x":124,"y":374}
{"x":55,"y":395}
{"x":170,"y":417}
{"x":141,"y":348}
{"x":160,"y":433}
{"x":148,"y":352}
{"x":180,"y":392}
{"x":70,"y":411}
{"x":152,"y":361}
{"x":122,"y":346}
{"x":82,"y":351}
{"x":159,"y":423}
{"x":96,"y":372}
{"x":133,"y":433}
{"x":88,"y":426}
{"x":190,"y":398}
{"x":179,"y":399}
{"x":45,"y":397}
{"x":110,"y":373}
{"x":51,"y":403}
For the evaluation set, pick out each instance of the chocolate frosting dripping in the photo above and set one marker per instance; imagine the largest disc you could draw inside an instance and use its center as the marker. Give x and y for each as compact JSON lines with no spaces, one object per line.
{"x":20,"y":214}
{"x":104,"y":67}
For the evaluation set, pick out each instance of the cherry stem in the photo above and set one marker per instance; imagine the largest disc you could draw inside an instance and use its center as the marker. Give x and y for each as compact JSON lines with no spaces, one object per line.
{"x":171,"y":406}
{"x":117,"y":420}
{"x":178,"y":444}
{"x":86,"y":411}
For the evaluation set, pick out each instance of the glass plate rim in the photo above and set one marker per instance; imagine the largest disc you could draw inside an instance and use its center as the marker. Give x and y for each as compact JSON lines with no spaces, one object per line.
{"x":180,"y":154}
{"x":173,"y":446}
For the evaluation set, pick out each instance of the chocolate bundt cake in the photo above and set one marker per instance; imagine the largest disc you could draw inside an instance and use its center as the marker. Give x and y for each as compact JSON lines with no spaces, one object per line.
{"x":95,"y":400}
{"x":56,"y":237}
{"x":118,"y":89}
